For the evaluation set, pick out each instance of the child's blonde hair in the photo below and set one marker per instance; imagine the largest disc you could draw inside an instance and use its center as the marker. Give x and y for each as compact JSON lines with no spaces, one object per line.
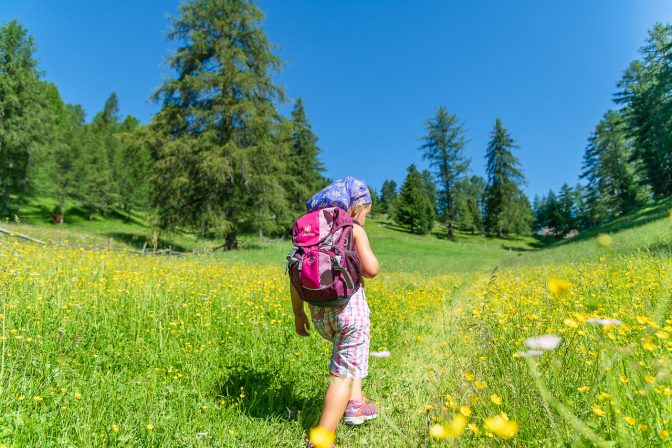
{"x":355,"y":209}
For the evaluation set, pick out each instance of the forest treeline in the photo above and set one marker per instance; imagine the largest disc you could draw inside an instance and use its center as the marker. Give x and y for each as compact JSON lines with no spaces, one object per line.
{"x":627,"y":164}
{"x":219,"y":159}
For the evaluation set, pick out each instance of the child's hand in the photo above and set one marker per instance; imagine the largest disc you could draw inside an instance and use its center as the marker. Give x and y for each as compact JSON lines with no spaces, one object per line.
{"x":301,"y":324}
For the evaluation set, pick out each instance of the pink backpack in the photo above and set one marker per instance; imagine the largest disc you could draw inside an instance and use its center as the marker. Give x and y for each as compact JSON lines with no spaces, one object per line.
{"x":323,"y":265}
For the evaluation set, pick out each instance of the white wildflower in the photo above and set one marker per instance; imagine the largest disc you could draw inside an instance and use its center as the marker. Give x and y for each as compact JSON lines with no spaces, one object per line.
{"x":603,"y":322}
{"x":382,"y":354}
{"x":543,"y":342}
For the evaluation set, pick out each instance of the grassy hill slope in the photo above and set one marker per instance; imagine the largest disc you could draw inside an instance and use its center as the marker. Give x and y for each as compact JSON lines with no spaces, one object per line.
{"x":645,"y":230}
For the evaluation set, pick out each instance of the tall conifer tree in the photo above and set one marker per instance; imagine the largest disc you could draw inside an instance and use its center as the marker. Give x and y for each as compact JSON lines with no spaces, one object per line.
{"x":388,"y":197}
{"x":413,"y":208}
{"x":304,"y":166}
{"x":469,"y":203}
{"x":20,"y":105}
{"x":221,"y":158}
{"x":507,"y":209}
{"x":646,"y":87}
{"x":443,"y":147}
{"x":610,"y":170}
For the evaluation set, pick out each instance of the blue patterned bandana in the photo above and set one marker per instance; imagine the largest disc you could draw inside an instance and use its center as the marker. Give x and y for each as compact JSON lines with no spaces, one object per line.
{"x":343,"y":193}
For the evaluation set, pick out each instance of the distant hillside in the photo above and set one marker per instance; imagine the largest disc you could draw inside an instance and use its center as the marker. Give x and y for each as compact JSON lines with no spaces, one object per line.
{"x":647,"y":229}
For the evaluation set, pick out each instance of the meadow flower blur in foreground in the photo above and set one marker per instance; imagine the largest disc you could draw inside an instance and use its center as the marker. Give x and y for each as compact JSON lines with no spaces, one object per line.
{"x":605,"y":343}
{"x":322,"y":438}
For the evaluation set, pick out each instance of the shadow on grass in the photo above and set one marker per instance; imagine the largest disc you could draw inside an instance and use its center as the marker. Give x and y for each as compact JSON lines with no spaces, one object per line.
{"x":393,"y":226}
{"x":268,"y":395}
{"x":517,"y":249}
{"x":660,"y":248}
{"x":138,"y":241}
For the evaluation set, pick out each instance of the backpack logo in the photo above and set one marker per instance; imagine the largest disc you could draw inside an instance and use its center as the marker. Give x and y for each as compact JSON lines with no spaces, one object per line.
{"x":307,"y":231}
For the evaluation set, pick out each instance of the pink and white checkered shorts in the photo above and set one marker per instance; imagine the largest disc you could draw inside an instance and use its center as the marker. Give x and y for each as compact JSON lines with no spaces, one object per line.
{"x":348,"y":327}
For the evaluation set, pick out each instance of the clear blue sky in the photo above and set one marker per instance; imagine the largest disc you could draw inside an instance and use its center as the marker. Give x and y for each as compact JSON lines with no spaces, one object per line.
{"x":370,"y":72}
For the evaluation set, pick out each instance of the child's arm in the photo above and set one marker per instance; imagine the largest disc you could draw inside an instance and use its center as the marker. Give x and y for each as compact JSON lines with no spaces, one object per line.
{"x":301,"y":323}
{"x":367,"y":260}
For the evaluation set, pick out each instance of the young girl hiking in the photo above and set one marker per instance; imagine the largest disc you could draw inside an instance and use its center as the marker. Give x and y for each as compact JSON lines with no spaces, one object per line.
{"x":331,"y":254}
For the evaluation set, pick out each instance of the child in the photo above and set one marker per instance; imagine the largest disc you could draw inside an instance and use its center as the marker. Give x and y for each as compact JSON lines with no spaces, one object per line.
{"x":347,"y":326}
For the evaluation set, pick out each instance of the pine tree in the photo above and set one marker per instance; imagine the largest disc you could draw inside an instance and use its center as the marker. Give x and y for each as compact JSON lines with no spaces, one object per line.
{"x":375,"y":205}
{"x":567,"y":209}
{"x":608,"y":166}
{"x":507,"y":209}
{"x":221,"y":156}
{"x":549,"y":217}
{"x":581,"y":211}
{"x":430,"y":186}
{"x":304,"y":167}
{"x":646,"y":87}
{"x":538,"y":205}
{"x":413,"y":208}
{"x":443,"y":147}
{"x":469,"y":203}
{"x":99,"y":165}
{"x":388,"y":197}
{"x":61,"y":150}
{"x":20,"y":114}
{"x":136,"y":161}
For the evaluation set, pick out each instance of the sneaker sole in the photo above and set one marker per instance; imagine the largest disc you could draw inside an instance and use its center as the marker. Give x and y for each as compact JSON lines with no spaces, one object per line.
{"x":356,"y":421}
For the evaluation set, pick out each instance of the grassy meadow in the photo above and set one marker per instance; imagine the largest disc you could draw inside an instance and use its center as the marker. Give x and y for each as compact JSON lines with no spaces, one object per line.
{"x":105,"y":348}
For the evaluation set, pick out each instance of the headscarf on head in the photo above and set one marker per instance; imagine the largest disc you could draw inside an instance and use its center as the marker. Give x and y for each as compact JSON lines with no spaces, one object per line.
{"x":342,"y":193}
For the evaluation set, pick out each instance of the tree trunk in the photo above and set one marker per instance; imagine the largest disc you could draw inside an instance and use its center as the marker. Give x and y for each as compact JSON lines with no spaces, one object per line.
{"x":450,"y":231}
{"x":231,"y":241}
{"x":5,"y":196}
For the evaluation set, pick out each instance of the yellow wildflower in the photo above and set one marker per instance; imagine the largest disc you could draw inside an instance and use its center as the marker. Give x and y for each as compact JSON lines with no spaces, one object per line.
{"x":321,"y":437}
{"x":629,"y":420}
{"x":501,"y":426}
{"x":557,"y":286}
{"x":465,"y":410}
{"x":571,"y":323}
{"x":452,"y":430}
{"x":496,"y":399}
{"x":597,"y":410}
{"x":469,"y":377}
{"x":650,"y":379}
{"x":648,"y":345}
{"x":604,"y":240}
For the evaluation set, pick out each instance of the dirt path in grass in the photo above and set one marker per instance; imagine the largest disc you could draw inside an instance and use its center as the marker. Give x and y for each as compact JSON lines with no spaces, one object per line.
{"x":412,"y":380}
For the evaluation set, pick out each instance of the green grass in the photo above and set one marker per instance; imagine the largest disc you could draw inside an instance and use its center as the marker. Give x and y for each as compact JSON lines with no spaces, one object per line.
{"x":646,"y":230}
{"x":203,"y":347}
{"x":115,"y":229}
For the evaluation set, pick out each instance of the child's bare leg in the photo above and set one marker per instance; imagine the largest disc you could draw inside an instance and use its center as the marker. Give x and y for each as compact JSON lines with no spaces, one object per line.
{"x":335,"y":402}
{"x":340,"y":391}
{"x":356,"y":390}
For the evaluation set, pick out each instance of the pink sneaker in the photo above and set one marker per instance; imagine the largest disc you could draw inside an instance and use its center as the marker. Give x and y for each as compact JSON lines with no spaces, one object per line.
{"x":359,"y":411}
